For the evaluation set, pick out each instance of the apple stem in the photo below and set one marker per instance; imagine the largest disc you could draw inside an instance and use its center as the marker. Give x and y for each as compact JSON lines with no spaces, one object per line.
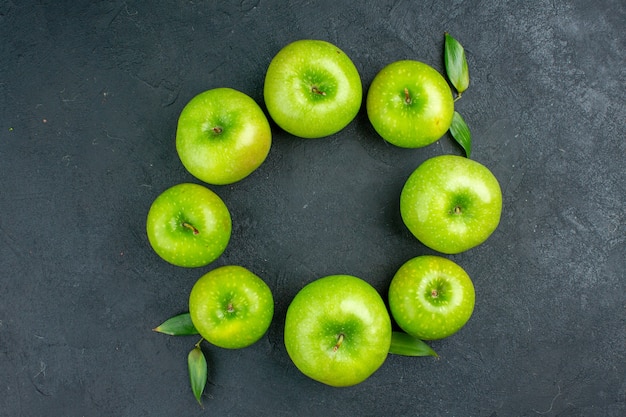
{"x":317,"y":91}
{"x":457,"y":210}
{"x":230,"y":308}
{"x":339,"y":342}
{"x":217,"y":130}
{"x":191,"y":227}
{"x":199,"y":342}
{"x":407,"y":96}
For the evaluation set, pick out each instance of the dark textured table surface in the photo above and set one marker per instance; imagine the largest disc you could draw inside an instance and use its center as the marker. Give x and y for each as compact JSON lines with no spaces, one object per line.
{"x":90,"y":93}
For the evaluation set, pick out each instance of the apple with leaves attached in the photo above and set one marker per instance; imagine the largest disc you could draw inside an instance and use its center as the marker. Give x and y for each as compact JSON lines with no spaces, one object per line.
{"x":451,"y":203}
{"x":312,"y":89}
{"x":338,"y":330}
{"x":230,"y":307}
{"x":188,"y":225}
{"x":431,"y":297}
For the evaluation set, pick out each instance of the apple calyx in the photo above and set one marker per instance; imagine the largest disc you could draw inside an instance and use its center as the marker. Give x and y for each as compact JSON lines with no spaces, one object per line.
{"x":191,"y":227}
{"x":217,"y":130}
{"x":438,"y":292}
{"x":340,"y":338}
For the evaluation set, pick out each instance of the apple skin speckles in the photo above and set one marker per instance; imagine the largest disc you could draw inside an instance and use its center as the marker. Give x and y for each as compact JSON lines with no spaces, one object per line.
{"x":451,"y":203}
{"x":312,"y":89}
{"x":410,"y":104}
{"x":338,"y":330}
{"x":231,"y":307}
{"x":431,"y":297}
{"x":189,"y":225}
{"x":222,"y":136}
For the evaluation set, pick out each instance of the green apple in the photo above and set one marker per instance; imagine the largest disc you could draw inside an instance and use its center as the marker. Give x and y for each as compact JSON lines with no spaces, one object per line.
{"x":431,"y":297}
{"x":222,"y":136}
{"x":410,"y":104}
{"x":338,"y":330}
{"x":451,"y":203}
{"x":231,"y":307}
{"x":312,"y":89}
{"x":188,"y":225}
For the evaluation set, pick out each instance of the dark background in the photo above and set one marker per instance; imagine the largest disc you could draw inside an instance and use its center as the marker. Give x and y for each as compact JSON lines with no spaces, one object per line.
{"x":90,"y":93}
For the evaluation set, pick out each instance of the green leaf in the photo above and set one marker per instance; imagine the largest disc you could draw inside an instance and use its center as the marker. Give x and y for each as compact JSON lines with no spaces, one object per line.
{"x":456,"y":64}
{"x":406,"y":345}
{"x":197,"y":371}
{"x":179,"y":325}
{"x":461,"y":133}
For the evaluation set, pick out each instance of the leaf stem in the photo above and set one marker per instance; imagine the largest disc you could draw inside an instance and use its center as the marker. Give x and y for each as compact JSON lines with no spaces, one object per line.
{"x":199,"y":342}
